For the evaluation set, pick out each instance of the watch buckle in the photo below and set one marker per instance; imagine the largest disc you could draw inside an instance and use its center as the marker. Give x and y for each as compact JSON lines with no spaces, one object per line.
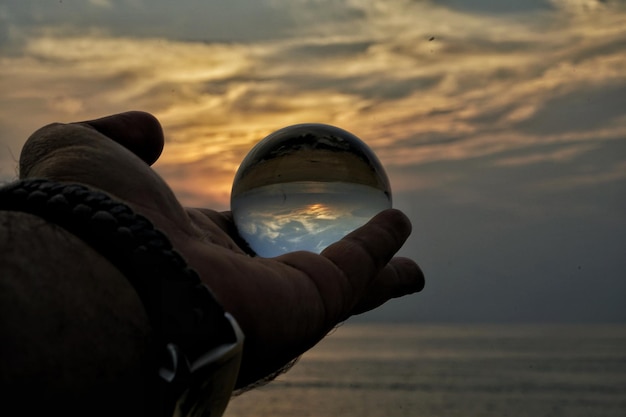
{"x":207,"y":383}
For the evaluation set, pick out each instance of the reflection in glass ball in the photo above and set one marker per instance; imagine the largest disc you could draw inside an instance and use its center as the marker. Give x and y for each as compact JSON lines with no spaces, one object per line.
{"x":305,"y":187}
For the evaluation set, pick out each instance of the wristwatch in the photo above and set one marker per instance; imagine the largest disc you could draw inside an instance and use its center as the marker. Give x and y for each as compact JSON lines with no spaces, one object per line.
{"x":198,"y":345}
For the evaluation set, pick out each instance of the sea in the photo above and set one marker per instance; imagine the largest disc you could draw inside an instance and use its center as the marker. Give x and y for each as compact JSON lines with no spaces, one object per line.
{"x":421,"y":370}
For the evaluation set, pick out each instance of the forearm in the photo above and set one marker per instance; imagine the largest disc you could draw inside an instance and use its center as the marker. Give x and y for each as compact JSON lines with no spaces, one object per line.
{"x":74,"y":331}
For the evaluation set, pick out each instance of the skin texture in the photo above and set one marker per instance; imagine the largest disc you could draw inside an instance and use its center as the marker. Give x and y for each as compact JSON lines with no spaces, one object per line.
{"x":284,"y":305}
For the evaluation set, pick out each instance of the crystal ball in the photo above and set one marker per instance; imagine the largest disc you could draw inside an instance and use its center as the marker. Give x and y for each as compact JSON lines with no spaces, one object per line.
{"x":305,"y":187}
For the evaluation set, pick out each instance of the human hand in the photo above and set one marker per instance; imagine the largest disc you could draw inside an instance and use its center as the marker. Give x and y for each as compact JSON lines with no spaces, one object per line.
{"x":284,"y":305}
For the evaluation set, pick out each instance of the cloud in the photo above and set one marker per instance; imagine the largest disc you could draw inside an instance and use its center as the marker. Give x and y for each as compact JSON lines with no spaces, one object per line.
{"x":588,"y":107}
{"x":304,"y":215}
{"x":541,"y":155}
{"x":495,"y":6}
{"x":614,"y":174}
{"x":580,"y":7}
{"x":421,"y":82}
{"x":105,"y":4}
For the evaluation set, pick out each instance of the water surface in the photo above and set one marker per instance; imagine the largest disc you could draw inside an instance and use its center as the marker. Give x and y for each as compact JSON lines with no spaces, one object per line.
{"x":452,"y":371}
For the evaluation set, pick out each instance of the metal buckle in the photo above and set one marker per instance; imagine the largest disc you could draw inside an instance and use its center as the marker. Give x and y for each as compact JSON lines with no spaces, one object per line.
{"x":204,"y":386}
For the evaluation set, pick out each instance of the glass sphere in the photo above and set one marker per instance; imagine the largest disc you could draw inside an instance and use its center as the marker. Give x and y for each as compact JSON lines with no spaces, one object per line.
{"x":305,"y":187}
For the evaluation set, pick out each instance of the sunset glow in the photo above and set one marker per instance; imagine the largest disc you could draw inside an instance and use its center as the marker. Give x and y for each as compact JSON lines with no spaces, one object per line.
{"x":404,"y":76}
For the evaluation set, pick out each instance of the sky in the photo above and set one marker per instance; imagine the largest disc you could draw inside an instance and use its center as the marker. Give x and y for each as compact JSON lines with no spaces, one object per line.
{"x":501,"y":124}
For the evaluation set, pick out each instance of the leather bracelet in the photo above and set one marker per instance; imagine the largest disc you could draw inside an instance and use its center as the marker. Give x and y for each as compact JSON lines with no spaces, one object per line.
{"x":192,"y":331}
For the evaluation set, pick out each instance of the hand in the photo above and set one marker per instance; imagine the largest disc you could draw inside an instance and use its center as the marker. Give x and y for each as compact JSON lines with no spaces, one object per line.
{"x":284,"y":305}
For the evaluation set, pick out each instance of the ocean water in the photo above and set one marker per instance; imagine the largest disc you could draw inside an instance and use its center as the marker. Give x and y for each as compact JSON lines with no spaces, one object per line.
{"x":452,"y":370}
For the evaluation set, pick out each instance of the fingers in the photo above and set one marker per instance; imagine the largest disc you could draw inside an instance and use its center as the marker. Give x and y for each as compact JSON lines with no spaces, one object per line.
{"x":137,"y":131}
{"x":362,"y":254}
{"x":365,"y":258}
{"x":400,"y":277}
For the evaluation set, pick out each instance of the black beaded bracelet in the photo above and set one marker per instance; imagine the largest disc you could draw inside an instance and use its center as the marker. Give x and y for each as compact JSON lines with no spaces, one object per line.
{"x":188,"y":322}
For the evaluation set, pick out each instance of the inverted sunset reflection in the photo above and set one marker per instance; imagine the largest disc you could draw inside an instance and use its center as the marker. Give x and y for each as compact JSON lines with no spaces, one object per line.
{"x":280,"y":218}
